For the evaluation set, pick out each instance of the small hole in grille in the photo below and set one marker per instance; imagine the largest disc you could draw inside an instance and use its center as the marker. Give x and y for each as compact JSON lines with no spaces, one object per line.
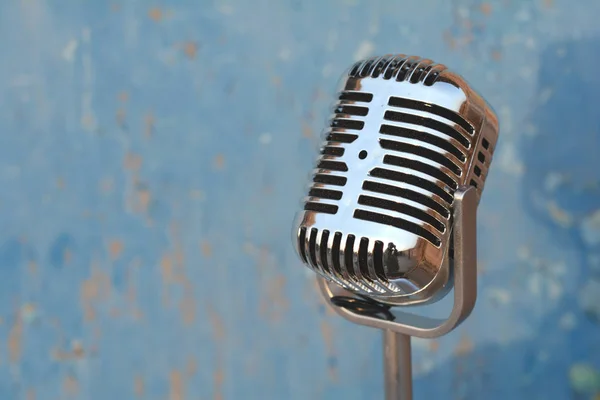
{"x":481,"y":157}
{"x":330,"y":179}
{"x":333,"y":165}
{"x":485,"y":143}
{"x":356,"y":96}
{"x":312,"y":242}
{"x":352,"y":110}
{"x":477,"y":170}
{"x":347,"y":124}
{"x":341,"y":137}
{"x":349,"y":255}
{"x":325,"y":193}
{"x":473,"y":183}
{"x":363,"y":254}
{"x":363,"y":154}
{"x":333,"y":151}
{"x":320,"y":207}
{"x":378,"y":260}
{"x":335,"y":252}
{"x":323,"y":249}
{"x":302,"y":243}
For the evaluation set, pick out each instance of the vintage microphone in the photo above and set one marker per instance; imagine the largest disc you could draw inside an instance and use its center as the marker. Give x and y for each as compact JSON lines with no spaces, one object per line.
{"x":389,"y":220}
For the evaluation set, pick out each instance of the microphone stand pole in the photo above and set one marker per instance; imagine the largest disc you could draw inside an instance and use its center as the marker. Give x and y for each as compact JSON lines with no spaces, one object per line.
{"x":397,"y":366}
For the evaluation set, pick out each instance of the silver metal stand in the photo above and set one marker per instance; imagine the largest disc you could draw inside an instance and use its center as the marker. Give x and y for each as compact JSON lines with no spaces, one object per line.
{"x":397,"y":332}
{"x":397,"y":366}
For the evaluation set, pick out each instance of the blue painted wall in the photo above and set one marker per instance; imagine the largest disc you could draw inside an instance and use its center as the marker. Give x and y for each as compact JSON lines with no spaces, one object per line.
{"x":152,"y":156}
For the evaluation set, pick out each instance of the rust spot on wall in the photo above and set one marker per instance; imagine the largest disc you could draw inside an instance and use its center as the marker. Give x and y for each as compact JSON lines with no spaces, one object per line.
{"x":206,"y":249}
{"x":76,"y":352}
{"x":32,"y":267}
{"x":67,"y":255}
{"x":496,"y":55}
{"x":187,"y":307}
{"x":274,"y":303}
{"x":15,"y":336}
{"x":486,"y":8}
{"x":30,"y":395}
{"x":96,"y":288}
{"x":191,"y":367}
{"x":190,"y":49}
{"x":133,"y":162}
{"x":434,"y":345}
{"x":464,"y":347}
{"x":219,"y":162}
{"x":120,"y":117}
{"x":176,"y":386}
{"x":550,"y":4}
{"x":218,"y":379}
{"x":123,"y":96}
{"x":70,"y":385}
{"x":307,"y":131}
{"x":149,"y":125}
{"x":115,"y":248}
{"x":155,"y":14}
{"x":106,"y":185}
{"x":138,"y":386}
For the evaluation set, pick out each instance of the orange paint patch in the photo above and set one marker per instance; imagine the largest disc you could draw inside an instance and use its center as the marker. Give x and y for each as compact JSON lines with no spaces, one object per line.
{"x":15,"y":337}
{"x":307,"y":131}
{"x":465,"y":347}
{"x":106,"y":185}
{"x":206,"y":249}
{"x":187,"y":307}
{"x":138,"y":386}
{"x":191,"y":367}
{"x":434,"y":345}
{"x":97,"y":288}
{"x":274,"y":303}
{"x":190,"y":49}
{"x":550,"y":4}
{"x":123,"y":96}
{"x":70,"y":385}
{"x":496,"y":55}
{"x":67,"y":256}
{"x":77,"y":352}
{"x":155,"y":14}
{"x":486,"y":8}
{"x":219,"y":162}
{"x":148,"y":125}
{"x":216,"y":323}
{"x":133,"y":162}
{"x":60,"y":183}
{"x":120,"y":117}
{"x":115,"y":248}
{"x":176,"y":386}
{"x":30,"y":394}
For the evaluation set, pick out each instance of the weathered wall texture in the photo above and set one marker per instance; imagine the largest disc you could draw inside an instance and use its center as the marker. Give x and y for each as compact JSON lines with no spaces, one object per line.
{"x":152,"y":158}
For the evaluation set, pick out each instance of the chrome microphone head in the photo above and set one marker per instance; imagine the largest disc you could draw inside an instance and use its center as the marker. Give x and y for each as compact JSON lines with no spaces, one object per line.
{"x":405,"y":134}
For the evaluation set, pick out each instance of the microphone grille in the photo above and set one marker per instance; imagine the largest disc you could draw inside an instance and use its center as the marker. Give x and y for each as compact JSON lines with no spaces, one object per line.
{"x":405,"y":134}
